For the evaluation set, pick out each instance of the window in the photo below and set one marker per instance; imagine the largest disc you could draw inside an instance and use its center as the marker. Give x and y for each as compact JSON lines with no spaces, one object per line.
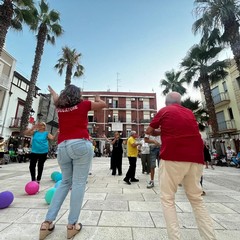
{"x":230,"y":112}
{"x":2,"y":95}
{"x":128,"y":116}
{"x":20,"y":107}
{"x":238,"y":81}
{"x":145,"y":103}
{"x":23,"y":85}
{"x":115,"y":116}
{"x":146,"y":116}
{"x":128,"y":103}
{"x":216,"y":96}
{"x":225,"y":89}
{"x":115,"y":103}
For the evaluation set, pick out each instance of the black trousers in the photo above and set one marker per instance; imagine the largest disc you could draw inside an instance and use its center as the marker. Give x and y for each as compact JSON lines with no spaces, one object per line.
{"x":116,"y":163}
{"x":132,"y":168}
{"x":37,"y":158}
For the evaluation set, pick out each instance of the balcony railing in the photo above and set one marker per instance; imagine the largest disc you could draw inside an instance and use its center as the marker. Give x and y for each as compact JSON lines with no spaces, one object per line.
{"x":144,"y":120}
{"x":4,"y":81}
{"x":221,"y":99}
{"x":227,"y":126}
{"x":15,"y":122}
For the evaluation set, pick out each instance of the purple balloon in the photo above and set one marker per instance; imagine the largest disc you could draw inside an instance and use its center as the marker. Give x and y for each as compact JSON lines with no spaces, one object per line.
{"x":32,"y":188}
{"x":6,"y":198}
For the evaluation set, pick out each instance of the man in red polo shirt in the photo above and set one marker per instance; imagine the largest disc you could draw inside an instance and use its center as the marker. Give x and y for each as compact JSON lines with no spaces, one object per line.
{"x":181,"y":162}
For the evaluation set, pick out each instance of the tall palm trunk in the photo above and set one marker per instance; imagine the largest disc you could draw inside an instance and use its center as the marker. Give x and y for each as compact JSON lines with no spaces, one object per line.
{"x":68,"y":75}
{"x":6,"y":13}
{"x":232,"y":33}
{"x":210,"y":104}
{"x":41,"y":37}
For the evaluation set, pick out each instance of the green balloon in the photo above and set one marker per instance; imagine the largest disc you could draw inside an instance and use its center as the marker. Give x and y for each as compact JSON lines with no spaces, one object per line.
{"x":54,"y":174}
{"x":49,"y":195}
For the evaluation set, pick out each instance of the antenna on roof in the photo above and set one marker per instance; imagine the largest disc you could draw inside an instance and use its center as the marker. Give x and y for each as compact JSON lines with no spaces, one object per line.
{"x":118,"y":81}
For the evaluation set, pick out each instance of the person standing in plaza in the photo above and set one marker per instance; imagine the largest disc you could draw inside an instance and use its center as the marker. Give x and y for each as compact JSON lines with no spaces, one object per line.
{"x":180,"y":163}
{"x":2,"y":145}
{"x":117,"y":153}
{"x":207,"y":156}
{"x":40,"y":149}
{"x":75,"y":153}
{"x":145,"y":157}
{"x":229,"y":154}
{"x":132,"y":153}
{"x":154,"y":144}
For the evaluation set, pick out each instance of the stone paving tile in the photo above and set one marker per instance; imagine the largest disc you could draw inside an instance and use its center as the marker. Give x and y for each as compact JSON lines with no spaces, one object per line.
{"x":137,"y":190}
{"x":115,"y":210}
{"x":96,"y":196}
{"x":151,"y":197}
{"x":103,"y":233}
{"x":129,"y":196}
{"x":149,"y":234}
{"x":186,"y":221}
{"x":9,"y":215}
{"x":87,"y":218}
{"x":36,"y":216}
{"x":106,"y":205}
{"x":227,"y":234}
{"x":234,"y":206}
{"x":123,"y":185}
{"x":125,"y":219}
{"x":212,"y":207}
{"x":94,"y":185}
{"x":228,"y":221}
{"x":145,"y":206}
{"x":104,"y":190}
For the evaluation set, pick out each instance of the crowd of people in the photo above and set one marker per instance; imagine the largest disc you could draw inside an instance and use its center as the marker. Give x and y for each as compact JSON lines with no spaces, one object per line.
{"x":165,"y":146}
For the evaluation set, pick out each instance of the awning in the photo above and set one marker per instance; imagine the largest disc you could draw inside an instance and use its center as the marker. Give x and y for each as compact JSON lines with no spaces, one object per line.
{"x":53,"y":123}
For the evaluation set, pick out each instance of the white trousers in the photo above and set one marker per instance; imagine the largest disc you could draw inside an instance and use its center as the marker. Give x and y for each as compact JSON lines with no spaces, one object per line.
{"x":172,"y":173}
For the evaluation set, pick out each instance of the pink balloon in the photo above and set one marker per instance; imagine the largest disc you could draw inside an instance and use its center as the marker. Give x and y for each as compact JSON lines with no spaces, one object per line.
{"x":32,"y":188}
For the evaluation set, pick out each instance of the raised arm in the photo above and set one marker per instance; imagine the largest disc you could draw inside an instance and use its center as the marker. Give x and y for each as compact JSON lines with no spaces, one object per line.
{"x":30,"y":131}
{"x":53,"y":93}
{"x":98,"y":104}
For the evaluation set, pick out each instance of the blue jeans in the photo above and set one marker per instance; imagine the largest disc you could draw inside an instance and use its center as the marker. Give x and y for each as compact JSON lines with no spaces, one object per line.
{"x":74,"y":158}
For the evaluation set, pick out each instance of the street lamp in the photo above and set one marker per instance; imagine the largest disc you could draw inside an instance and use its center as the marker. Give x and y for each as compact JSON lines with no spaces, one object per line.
{"x":32,"y":112}
{"x":39,"y":116}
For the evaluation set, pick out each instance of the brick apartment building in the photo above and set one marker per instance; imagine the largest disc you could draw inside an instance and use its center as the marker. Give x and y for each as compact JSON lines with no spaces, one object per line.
{"x":126,"y":111}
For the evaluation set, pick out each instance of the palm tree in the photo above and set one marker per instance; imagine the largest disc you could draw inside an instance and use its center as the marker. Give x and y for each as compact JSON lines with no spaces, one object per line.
{"x":200,"y":64}
{"x":12,"y":14}
{"x":173,"y":82}
{"x":70,"y":61}
{"x":221,"y":14}
{"x":47,"y":27}
{"x":200,"y":113}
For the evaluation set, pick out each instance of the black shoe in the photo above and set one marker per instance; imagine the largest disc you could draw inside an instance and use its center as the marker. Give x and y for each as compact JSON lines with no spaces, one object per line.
{"x":134,"y":180}
{"x":127,"y":181}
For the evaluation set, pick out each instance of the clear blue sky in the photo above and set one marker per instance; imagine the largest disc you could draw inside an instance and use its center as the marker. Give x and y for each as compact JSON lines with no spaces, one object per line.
{"x":139,"y":39}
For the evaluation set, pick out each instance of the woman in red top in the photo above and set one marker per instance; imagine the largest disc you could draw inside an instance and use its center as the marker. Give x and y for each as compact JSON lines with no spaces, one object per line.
{"x":75,"y":154}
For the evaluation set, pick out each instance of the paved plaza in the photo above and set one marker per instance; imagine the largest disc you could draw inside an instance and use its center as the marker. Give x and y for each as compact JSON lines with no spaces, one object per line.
{"x":115,"y":210}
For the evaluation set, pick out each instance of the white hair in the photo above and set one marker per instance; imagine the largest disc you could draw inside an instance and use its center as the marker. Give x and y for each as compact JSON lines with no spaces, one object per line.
{"x":173,"y":97}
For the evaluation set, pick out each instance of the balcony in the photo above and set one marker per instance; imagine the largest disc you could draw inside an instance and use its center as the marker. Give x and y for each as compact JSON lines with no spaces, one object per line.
{"x":227,"y":126}
{"x":4,"y":82}
{"x":15,"y":122}
{"x":145,"y":121}
{"x":221,"y":99}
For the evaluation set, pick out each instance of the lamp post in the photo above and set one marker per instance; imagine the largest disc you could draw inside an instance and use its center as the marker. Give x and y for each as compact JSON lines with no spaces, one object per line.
{"x":39,"y":116}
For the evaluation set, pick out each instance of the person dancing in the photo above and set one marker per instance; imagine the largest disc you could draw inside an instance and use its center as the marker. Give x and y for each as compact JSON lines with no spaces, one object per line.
{"x":74,"y":156}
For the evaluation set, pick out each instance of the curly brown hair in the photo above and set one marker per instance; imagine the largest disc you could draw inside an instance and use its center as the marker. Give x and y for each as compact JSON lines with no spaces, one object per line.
{"x":69,"y":97}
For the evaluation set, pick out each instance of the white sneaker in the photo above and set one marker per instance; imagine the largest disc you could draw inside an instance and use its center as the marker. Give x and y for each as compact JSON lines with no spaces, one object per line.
{"x":150,"y":184}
